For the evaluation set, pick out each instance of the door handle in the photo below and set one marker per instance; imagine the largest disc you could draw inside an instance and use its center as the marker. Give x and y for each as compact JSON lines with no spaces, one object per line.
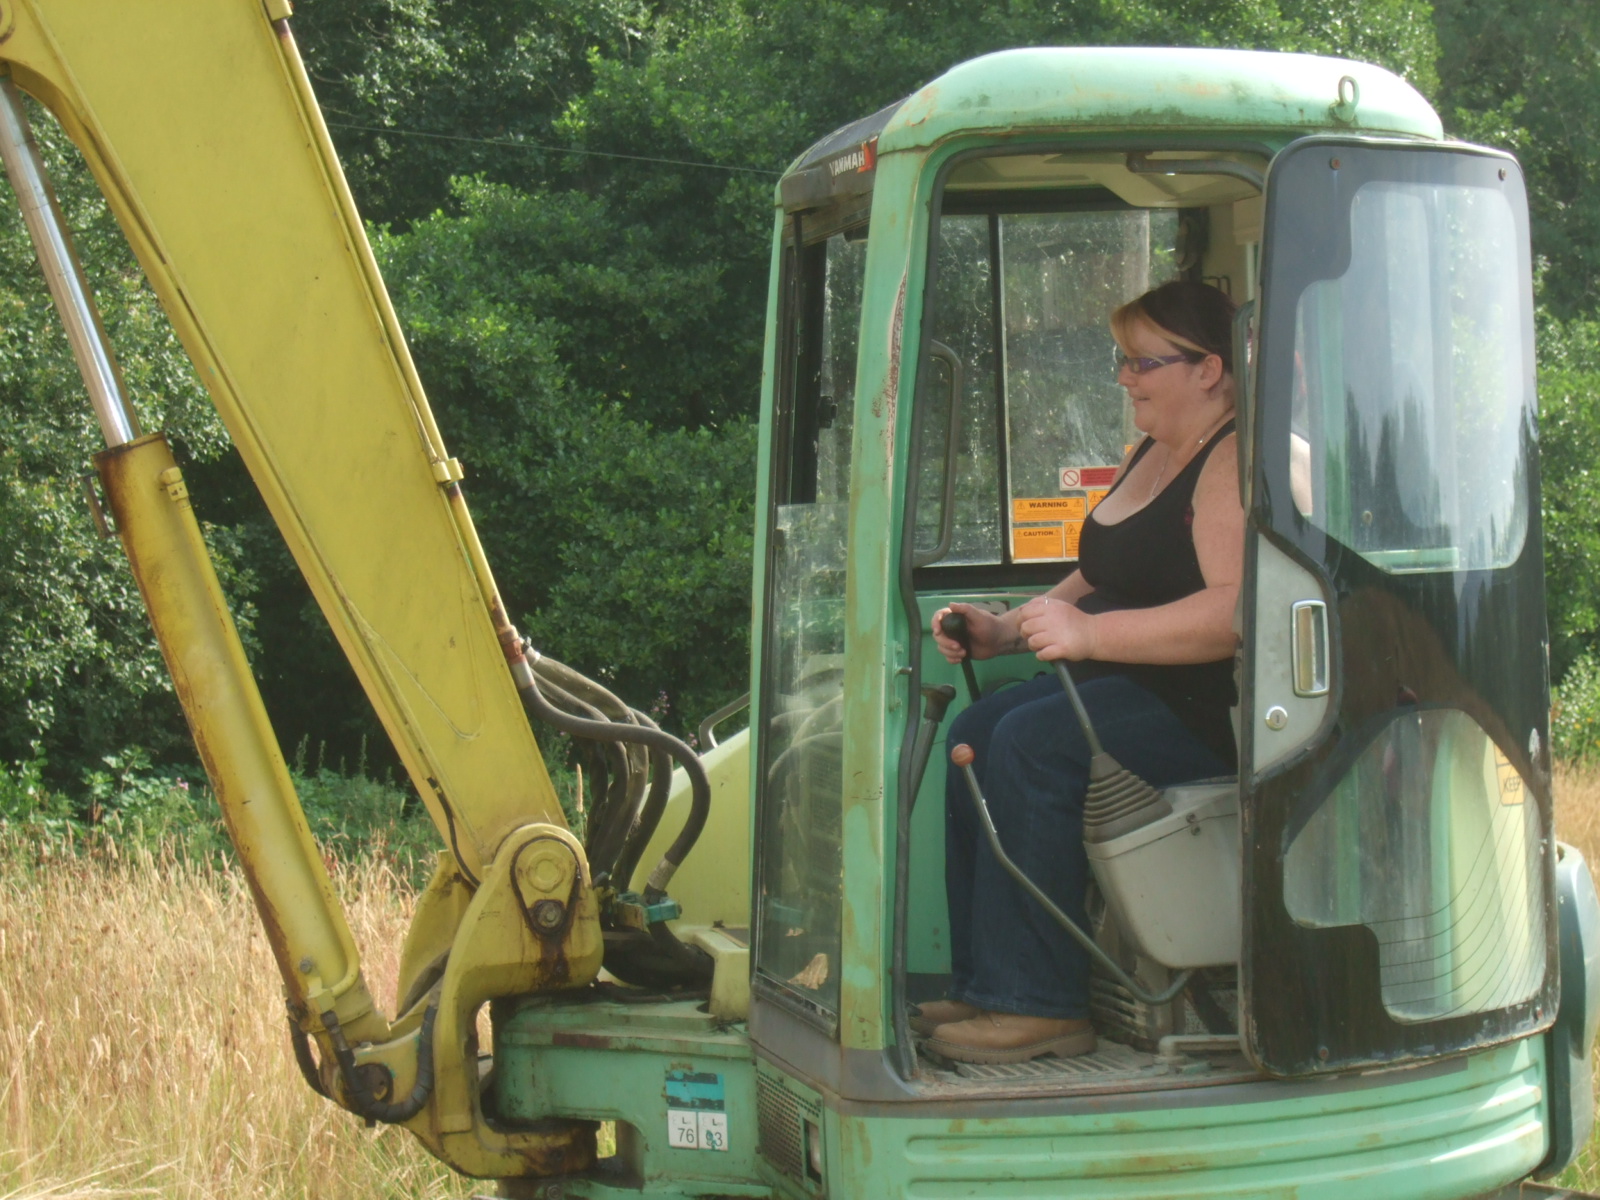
{"x":1309,"y":647}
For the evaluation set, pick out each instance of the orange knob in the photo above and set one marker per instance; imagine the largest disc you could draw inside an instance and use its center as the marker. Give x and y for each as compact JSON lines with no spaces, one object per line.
{"x":962,"y":755}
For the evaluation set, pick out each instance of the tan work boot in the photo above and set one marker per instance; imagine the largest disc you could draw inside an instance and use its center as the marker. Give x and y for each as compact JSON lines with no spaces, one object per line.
{"x":992,"y":1037}
{"x":929,"y":1015}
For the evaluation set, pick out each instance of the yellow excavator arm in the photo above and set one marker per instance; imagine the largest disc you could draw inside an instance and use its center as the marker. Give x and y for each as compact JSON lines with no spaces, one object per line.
{"x":198,"y":122}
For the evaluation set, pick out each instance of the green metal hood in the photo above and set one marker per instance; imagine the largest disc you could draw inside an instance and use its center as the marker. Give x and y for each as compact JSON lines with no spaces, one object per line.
{"x":1054,"y":89}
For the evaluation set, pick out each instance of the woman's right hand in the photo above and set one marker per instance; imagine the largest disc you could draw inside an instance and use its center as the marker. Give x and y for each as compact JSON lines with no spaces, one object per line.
{"x":987,"y":633}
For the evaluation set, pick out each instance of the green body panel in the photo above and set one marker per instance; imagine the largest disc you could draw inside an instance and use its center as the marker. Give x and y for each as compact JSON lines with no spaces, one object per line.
{"x":1114,"y":89}
{"x":1458,"y":1133}
{"x":1458,"y":1129}
{"x":610,"y":1062}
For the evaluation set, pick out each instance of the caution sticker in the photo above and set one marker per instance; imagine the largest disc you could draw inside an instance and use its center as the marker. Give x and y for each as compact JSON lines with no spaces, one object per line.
{"x":1051,"y":508}
{"x":1039,"y":541}
{"x":1074,"y":478}
{"x":1096,"y":496}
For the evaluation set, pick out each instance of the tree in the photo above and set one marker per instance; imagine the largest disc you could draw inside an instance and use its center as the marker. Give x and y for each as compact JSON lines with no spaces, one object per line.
{"x":80,"y":675}
{"x":1522,"y":76}
{"x":574,"y":201}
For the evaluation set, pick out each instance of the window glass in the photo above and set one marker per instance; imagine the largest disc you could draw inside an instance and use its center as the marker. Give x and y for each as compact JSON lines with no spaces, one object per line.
{"x":963,"y":330}
{"x":1034,"y":359}
{"x":1412,"y":422}
{"x":1067,"y":420}
{"x":1431,"y":841}
{"x":798,"y":931}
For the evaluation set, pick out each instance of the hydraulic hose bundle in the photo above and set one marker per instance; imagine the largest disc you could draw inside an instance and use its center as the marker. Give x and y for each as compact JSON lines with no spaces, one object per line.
{"x":631,"y":759}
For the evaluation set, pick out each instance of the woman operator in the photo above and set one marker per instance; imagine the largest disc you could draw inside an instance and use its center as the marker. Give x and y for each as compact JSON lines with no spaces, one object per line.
{"x":1147,"y":621}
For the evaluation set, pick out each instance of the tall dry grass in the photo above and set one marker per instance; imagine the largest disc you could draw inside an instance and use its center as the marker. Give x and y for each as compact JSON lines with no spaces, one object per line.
{"x":143,"y":1047}
{"x":1577,"y":787}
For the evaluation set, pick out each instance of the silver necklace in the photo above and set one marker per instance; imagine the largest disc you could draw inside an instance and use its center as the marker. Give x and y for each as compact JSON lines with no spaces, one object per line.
{"x":1162,"y":474}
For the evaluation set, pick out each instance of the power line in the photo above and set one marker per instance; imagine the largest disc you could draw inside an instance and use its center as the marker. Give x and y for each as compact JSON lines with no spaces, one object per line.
{"x":450,"y":137}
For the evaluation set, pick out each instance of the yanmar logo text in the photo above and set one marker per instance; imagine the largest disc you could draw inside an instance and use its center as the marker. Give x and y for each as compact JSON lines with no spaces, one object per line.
{"x":862,"y":158}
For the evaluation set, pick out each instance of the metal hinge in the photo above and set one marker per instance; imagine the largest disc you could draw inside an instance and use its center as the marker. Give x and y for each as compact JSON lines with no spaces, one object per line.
{"x":447,"y":471}
{"x":278,"y":10}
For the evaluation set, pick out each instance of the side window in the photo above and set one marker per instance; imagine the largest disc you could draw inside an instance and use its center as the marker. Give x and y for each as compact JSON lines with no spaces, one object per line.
{"x":797,"y":918}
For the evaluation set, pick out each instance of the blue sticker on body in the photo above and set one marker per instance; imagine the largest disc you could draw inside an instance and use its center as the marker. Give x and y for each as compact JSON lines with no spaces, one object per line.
{"x":700,"y":1090}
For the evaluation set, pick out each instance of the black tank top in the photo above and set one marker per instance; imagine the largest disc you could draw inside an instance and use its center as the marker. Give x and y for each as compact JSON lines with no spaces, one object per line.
{"x":1147,"y":559}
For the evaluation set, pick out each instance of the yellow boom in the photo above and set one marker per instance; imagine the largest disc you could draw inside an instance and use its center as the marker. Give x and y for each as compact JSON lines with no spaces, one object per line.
{"x":198,"y":122}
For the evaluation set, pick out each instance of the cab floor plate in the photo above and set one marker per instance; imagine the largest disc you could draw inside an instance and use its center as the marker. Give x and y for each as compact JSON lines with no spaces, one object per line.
{"x":1112,"y":1067}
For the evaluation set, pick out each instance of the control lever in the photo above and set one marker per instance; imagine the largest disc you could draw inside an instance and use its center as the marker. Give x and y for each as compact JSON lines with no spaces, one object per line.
{"x":962,"y":756}
{"x":954,"y":626}
{"x":936,"y":698}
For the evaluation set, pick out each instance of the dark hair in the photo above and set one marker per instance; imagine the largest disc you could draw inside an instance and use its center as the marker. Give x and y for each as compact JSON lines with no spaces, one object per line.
{"x":1195,"y":317}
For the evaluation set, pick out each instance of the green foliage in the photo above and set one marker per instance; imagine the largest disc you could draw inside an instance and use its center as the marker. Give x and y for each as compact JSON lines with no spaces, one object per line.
{"x":1520,"y":74}
{"x":1569,"y":451}
{"x":129,"y":803}
{"x":607,"y":471}
{"x":459,"y":76}
{"x":1575,"y":712}
{"x":79,"y":669}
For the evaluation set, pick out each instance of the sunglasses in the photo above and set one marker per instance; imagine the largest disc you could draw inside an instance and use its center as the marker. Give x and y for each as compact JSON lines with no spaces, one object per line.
{"x":1139,"y":365}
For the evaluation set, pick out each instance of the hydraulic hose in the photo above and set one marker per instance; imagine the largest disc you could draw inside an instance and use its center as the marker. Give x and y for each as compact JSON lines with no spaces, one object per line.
{"x":616,"y":731}
{"x":363,"y":1102}
{"x":649,"y":819}
{"x":615,"y":825}
{"x":612,"y":770}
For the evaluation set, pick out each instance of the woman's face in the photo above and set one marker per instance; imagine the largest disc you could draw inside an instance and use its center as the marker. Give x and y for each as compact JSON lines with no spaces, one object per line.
{"x":1169,"y":399}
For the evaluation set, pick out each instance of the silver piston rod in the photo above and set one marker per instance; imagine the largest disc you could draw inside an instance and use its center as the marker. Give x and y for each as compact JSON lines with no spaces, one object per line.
{"x":53,"y":244}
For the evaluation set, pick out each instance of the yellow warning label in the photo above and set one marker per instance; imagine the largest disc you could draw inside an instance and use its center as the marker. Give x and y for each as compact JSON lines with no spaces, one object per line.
{"x":1050,"y":508}
{"x":1510,"y":781}
{"x":1040,"y":541}
{"x":1096,"y":496}
{"x":1074,"y":530}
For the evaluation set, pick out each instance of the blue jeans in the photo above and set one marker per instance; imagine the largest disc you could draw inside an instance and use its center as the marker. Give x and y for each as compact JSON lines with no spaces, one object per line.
{"x":1007,"y":954}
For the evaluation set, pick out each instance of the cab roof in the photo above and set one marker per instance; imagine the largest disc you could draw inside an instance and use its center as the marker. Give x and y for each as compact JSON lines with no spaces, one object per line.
{"x":1123,"y":89}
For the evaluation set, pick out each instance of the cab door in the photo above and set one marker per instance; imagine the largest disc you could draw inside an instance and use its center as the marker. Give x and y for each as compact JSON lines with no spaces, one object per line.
{"x":1395,"y":770}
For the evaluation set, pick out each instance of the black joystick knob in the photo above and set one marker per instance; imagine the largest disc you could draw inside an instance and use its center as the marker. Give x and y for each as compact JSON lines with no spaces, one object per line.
{"x":954,"y":626}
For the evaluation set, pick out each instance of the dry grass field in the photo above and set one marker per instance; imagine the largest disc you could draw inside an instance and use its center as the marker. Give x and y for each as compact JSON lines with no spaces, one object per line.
{"x":143,"y":1046}
{"x":142,"y":1034}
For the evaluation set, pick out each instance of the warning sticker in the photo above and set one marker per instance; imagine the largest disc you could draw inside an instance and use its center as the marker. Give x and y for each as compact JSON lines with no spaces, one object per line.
{"x":1040,"y":541}
{"x":1052,"y":508}
{"x":1073,"y":478}
{"x":697,"y":1117}
{"x":1074,"y":531}
{"x":1096,"y":496}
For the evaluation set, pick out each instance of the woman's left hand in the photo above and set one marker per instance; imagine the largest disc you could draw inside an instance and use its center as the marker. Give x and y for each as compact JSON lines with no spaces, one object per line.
{"x":1055,"y":629}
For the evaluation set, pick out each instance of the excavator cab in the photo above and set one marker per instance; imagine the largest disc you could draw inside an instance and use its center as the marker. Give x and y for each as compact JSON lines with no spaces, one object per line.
{"x":1379,"y":889}
{"x":1363,"y":963}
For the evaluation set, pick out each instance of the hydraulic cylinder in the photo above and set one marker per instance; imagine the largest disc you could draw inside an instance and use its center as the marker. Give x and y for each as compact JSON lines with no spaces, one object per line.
{"x":304,"y":921}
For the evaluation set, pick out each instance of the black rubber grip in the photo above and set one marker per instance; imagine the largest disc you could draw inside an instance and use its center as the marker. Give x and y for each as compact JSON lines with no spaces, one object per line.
{"x":954,"y":626}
